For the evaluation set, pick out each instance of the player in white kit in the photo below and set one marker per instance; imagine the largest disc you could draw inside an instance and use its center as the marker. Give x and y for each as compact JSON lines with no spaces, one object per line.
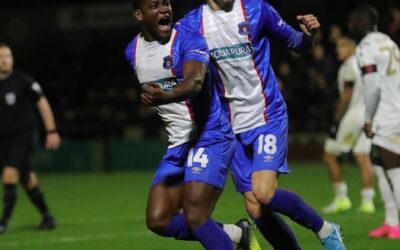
{"x":346,"y":133}
{"x":379,"y":59}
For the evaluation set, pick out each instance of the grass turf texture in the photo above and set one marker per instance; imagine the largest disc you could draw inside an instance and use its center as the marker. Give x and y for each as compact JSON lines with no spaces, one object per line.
{"x":106,"y":211}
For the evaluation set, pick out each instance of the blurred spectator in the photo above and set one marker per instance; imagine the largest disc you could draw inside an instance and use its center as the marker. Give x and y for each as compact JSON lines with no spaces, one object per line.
{"x":321,"y":76}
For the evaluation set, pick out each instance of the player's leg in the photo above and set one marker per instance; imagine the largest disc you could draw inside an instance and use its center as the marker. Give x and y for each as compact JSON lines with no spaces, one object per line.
{"x":338,"y":143}
{"x":270,"y":151}
{"x":271,"y":226}
{"x":274,"y":229}
{"x":385,"y":163}
{"x":162,"y":213}
{"x":10,"y":177}
{"x":367,"y":192}
{"x":205,"y":178}
{"x":199,"y":202}
{"x":30,"y":183}
{"x":361,"y":151}
{"x":15,"y":152}
{"x":391,"y":161}
{"x":164,"y":216}
{"x":332,"y":150}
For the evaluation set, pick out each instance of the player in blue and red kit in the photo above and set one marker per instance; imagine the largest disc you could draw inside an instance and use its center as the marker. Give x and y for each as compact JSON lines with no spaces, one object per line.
{"x":237,"y":33}
{"x":171,"y":67}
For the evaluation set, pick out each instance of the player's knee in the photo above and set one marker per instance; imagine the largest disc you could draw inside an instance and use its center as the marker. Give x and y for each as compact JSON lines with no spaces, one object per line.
{"x":195,"y":213}
{"x":10,"y":175}
{"x":157,"y":222}
{"x":328,"y":158}
{"x":264,"y":195}
{"x":32,"y":181}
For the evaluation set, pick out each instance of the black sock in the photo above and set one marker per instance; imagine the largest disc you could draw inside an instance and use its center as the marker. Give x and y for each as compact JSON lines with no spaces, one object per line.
{"x":37,"y":198}
{"x":9,"y":199}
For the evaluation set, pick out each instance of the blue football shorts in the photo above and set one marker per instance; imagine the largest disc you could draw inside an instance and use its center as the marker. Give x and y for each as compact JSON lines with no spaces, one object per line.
{"x":262,"y":148}
{"x":206,"y":162}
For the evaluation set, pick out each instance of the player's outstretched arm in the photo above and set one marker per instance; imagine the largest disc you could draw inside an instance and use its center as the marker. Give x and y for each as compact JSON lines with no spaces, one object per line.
{"x":295,"y":40}
{"x":53,"y":140}
{"x":193,"y":72}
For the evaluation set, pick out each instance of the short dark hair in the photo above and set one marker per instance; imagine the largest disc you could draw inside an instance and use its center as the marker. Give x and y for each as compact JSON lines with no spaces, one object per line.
{"x":135,"y":4}
{"x":369,"y":13}
{"x":4,"y":44}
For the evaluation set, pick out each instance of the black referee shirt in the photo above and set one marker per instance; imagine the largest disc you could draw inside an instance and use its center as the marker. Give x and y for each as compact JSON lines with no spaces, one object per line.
{"x":19,"y":93}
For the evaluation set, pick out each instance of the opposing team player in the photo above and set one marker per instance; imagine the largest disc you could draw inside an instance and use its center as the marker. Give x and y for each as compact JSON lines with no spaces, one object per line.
{"x":171,"y":67}
{"x":347,"y":134}
{"x":20,"y":95}
{"x":237,"y":33}
{"x":379,"y":59}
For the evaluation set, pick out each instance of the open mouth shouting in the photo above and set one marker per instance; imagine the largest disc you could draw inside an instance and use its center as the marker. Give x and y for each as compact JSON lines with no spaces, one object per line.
{"x":164,"y":23}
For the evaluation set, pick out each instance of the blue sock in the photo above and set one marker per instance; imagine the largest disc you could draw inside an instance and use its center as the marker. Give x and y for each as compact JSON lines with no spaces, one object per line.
{"x":212,"y":237}
{"x":295,"y":208}
{"x":178,"y":229}
{"x":276,"y":231}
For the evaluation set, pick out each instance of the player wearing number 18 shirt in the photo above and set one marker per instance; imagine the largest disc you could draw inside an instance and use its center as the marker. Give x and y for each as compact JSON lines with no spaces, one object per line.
{"x":237,"y":33}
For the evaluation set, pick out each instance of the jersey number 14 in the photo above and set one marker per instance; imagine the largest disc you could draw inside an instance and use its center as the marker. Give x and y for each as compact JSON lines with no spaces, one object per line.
{"x":198,"y":157}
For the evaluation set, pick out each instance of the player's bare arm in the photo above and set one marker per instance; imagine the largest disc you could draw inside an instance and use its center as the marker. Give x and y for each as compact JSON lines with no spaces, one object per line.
{"x":53,"y":140}
{"x":193,"y":72}
{"x":309,"y":24}
{"x":344,"y":102}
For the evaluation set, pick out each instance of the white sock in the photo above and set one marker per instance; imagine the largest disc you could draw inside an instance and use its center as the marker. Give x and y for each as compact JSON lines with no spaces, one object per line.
{"x":394,"y":176}
{"x":325,"y":230}
{"x":391,"y":211}
{"x":234,"y":232}
{"x":367,"y":195}
{"x":340,"y":189}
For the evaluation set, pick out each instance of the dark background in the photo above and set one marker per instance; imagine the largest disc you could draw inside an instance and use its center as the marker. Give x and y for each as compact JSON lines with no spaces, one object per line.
{"x":75,"y":49}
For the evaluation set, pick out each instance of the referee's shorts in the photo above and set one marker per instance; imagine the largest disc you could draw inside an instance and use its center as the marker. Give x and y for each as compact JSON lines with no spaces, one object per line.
{"x":16,"y":150}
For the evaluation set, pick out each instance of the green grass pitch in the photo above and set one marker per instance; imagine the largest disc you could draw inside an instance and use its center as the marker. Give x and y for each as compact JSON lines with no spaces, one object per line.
{"x":106,"y":212}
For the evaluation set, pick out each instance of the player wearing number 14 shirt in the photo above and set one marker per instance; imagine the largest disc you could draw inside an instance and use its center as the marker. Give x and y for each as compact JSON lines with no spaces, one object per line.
{"x":172,"y":69}
{"x":237,"y":33}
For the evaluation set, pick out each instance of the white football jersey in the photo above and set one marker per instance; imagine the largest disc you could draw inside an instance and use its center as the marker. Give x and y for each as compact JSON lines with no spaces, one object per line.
{"x":349,"y":73}
{"x":378,"y":50}
{"x":240,"y":51}
{"x":233,"y":53}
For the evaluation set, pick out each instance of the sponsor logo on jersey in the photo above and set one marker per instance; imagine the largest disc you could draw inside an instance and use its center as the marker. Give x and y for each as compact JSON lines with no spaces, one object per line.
{"x":196,"y":170}
{"x":244,"y":28}
{"x":236,"y":51}
{"x":168,"y":62}
{"x":10,"y":99}
{"x":268,"y":158}
{"x":167,"y":84}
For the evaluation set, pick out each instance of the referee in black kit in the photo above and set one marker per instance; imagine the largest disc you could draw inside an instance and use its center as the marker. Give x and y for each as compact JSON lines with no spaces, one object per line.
{"x":19,"y":93}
